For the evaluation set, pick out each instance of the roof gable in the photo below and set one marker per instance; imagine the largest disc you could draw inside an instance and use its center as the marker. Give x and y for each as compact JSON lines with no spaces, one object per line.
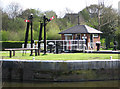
{"x":92,"y":30}
{"x":80,"y":29}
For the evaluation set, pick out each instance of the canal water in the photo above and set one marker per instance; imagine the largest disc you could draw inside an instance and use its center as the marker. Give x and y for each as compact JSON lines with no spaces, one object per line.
{"x":107,"y":84}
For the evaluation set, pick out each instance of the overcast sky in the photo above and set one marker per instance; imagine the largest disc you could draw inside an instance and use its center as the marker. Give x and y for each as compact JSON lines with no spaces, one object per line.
{"x":58,"y":6}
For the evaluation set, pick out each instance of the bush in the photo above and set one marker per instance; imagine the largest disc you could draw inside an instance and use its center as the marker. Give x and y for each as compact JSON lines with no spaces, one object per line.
{"x":13,"y":36}
{"x":118,"y":36}
{"x":35,"y":35}
{"x":111,"y":44}
{"x":53,"y":35}
{"x":4,"y":35}
{"x":102,"y":42}
{"x":12,"y":44}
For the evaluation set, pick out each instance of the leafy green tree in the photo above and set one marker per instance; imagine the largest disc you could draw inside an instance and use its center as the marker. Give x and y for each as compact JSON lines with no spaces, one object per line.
{"x":85,"y":14}
{"x":36,"y":16}
{"x":102,"y":18}
{"x":117,"y":33}
{"x":13,"y":10}
{"x":49,"y":14}
{"x":52,"y":31}
{"x":27,"y":12}
{"x":17,"y":24}
{"x":4,"y":35}
{"x":53,"y":34}
{"x":5,"y":21}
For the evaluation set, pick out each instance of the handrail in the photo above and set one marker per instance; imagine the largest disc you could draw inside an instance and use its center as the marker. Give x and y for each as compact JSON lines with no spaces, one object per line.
{"x":63,"y":44}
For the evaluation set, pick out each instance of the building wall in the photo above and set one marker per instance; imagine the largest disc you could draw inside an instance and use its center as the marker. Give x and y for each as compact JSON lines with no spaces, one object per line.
{"x":62,"y":36}
{"x":95,"y":39}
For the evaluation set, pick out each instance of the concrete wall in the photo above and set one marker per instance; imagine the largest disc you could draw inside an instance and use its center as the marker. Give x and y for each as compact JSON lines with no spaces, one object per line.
{"x":60,"y":70}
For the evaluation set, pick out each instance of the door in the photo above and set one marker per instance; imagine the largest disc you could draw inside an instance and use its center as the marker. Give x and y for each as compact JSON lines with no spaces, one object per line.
{"x":68,"y":43}
{"x":91,"y":40}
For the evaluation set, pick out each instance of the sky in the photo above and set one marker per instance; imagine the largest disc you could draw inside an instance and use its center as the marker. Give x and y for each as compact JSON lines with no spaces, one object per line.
{"x":59,"y":6}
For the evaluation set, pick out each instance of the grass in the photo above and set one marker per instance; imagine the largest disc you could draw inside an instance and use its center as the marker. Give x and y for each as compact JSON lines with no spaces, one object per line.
{"x":107,"y":49}
{"x":63,"y":56}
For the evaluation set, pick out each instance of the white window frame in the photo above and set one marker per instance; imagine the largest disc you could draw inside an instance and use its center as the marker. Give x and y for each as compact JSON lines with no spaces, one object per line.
{"x":96,"y":35}
{"x":66,"y":36}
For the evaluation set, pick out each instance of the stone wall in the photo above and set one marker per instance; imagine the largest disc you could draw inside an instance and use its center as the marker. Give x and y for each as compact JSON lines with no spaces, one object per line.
{"x":60,"y":70}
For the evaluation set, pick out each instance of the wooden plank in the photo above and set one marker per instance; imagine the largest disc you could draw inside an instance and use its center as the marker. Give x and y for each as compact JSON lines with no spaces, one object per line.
{"x":15,"y":49}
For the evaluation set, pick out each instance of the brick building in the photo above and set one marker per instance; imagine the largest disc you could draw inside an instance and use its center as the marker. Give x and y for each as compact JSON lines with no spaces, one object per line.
{"x":82,"y":32}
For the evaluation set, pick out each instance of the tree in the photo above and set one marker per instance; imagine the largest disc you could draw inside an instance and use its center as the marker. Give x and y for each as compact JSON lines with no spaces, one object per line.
{"x":52,"y":33}
{"x":49,"y":14}
{"x":102,"y":18}
{"x":37,"y":14}
{"x":5,"y":21}
{"x":117,"y":32}
{"x":109,"y":22}
{"x":13,"y":10}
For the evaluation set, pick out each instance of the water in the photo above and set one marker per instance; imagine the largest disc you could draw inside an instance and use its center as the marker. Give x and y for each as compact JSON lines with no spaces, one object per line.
{"x":63,"y":84}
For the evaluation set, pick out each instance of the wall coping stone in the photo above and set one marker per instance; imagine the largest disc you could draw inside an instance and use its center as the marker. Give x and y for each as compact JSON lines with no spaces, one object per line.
{"x":19,"y":60}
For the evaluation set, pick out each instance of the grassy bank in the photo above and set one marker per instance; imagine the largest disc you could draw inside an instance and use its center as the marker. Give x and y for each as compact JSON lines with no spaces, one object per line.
{"x":63,"y":56}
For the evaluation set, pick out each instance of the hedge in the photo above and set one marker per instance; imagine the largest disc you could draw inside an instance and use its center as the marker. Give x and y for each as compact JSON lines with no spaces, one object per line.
{"x":11,"y":44}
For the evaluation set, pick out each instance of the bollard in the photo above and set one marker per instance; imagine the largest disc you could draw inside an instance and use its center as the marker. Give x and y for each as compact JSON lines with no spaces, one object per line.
{"x":33,"y":58}
{"x":110,"y":57}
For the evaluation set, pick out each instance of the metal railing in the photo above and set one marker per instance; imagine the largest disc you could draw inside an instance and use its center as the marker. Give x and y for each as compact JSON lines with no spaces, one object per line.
{"x":91,"y":45}
{"x":62,"y":45}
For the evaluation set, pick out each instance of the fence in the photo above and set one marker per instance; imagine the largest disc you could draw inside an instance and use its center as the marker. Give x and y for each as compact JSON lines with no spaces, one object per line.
{"x":62,"y":45}
{"x":91,"y":45}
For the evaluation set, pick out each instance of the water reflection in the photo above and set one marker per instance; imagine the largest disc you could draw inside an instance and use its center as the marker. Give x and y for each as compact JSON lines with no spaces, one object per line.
{"x":63,"y":84}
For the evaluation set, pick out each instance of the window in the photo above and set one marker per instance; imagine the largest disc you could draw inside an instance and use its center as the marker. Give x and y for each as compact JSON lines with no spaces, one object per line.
{"x":95,"y":35}
{"x":68,"y":37}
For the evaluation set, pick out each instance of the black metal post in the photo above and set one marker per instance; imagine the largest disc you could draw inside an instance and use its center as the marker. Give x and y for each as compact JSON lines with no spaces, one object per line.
{"x":26,"y":36}
{"x":31,"y":17}
{"x":13,"y":52}
{"x":10,"y":53}
{"x":56,"y":48}
{"x":40,"y":37}
{"x":35,"y":52}
{"x":44,"y":34}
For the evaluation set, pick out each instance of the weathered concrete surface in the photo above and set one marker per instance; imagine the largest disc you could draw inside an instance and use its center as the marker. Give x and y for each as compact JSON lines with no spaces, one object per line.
{"x":0,"y":74}
{"x":77,"y":70}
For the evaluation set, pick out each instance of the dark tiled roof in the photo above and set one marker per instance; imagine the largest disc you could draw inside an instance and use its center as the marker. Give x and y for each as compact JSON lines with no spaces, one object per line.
{"x":80,"y":29}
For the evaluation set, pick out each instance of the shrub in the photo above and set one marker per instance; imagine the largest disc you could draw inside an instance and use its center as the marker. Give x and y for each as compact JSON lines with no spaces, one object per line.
{"x":5,"y":35}
{"x":11,"y":44}
{"x":53,"y":35}
{"x":102,"y":42}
